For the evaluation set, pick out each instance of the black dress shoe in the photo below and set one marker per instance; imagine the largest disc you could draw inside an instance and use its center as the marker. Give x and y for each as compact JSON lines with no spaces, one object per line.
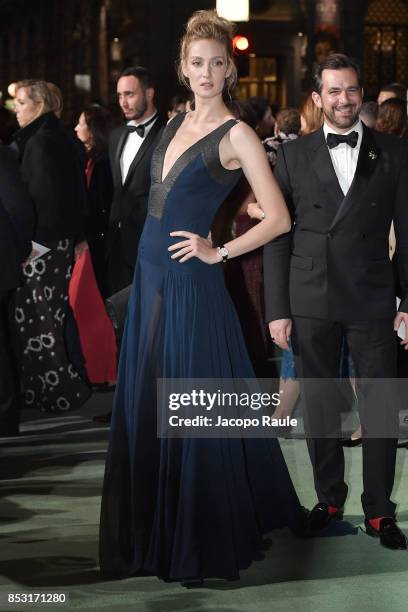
{"x":103,"y":418}
{"x":390,"y":535}
{"x":321,"y":515}
{"x":350,"y":442}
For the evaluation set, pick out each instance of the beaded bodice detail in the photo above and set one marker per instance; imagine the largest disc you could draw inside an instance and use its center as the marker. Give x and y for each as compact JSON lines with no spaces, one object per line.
{"x":206,"y":147}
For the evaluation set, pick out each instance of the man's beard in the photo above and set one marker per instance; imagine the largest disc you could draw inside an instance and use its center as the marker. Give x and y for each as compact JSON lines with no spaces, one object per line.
{"x":139,"y":110}
{"x":342,"y":123}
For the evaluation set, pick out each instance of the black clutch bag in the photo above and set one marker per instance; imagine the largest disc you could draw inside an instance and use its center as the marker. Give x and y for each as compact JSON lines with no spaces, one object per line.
{"x":116,"y":307}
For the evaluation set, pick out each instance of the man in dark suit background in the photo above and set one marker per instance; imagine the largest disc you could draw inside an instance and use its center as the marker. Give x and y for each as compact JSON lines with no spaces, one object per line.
{"x":16,"y":230}
{"x":332,"y":277}
{"x":130,"y":151}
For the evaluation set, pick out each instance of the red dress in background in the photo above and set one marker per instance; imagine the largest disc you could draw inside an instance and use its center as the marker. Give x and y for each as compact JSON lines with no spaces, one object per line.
{"x":96,"y":332}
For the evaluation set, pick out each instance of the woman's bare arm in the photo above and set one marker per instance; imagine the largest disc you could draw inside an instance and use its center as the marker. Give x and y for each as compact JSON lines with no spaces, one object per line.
{"x":244,"y":146}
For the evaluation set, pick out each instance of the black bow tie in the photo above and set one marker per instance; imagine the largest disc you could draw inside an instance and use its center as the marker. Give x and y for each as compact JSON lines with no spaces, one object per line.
{"x":335,"y":139}
{"x":140,"y":129}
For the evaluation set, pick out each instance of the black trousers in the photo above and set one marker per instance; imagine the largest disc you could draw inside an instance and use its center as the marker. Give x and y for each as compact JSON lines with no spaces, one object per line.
{"x":373,"y":347}
{"x":118,"y":272}
{"x":9,"y":404}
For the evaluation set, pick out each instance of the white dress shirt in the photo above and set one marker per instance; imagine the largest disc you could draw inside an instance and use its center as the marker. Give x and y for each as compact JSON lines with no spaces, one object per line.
{"x":132,"y":146}
{"x":344,"y":157}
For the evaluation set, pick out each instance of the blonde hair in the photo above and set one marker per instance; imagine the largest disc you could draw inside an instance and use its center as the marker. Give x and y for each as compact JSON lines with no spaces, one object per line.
{"x":208,"y":25}
{"x":39,"y":92}
{"x":57,"y":102}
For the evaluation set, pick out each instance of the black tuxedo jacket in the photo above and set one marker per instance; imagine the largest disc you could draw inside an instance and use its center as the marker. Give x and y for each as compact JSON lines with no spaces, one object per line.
{"x":334,"y":264}
{"x":16,"y":221}
{"x":129,"y":206}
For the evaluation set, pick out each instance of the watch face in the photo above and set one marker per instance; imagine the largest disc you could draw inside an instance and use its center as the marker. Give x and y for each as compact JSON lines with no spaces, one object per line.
{"x":224,"y":252}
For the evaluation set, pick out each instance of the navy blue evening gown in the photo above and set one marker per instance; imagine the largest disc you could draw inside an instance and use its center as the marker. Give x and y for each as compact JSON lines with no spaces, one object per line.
{"x":182,"y":508}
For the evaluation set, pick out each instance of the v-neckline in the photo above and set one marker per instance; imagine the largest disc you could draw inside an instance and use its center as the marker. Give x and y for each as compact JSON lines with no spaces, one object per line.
{"x":180,"y":157}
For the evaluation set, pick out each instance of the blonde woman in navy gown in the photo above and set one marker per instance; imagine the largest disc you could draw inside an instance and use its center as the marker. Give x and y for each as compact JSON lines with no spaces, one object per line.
{"x":192,"y":508}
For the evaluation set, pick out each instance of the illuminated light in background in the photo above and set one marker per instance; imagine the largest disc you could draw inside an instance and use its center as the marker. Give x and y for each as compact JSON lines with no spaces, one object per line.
{"x":240,"y":43}
{"x":11,"y":90}
{"x":234,"y":10}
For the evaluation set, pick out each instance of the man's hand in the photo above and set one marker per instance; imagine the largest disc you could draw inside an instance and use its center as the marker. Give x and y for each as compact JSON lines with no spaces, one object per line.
{"x":280,"y":331}
{"x":255,"y":211}
{"x":402,"y":317}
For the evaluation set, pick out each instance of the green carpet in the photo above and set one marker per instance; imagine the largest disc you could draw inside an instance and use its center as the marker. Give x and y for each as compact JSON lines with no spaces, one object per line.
{"x":50,"y":479}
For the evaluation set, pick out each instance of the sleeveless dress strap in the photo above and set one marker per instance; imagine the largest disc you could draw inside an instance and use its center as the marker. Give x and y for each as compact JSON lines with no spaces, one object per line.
{"x":220,"y":132}
{"x":211,"y":155}
{"x":172,"y":126}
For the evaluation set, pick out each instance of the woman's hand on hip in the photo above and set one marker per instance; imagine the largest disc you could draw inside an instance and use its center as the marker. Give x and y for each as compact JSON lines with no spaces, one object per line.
{"x":194,"y":245}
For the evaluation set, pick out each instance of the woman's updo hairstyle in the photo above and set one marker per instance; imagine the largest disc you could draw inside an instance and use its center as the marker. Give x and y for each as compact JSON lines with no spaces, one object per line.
{"x":208,"y":25}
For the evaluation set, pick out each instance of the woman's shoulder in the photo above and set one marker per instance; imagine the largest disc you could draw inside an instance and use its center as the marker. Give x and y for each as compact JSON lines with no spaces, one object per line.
{"x":49,"y":131}
{"x":241,"y":134}
{"x":39,"y":143}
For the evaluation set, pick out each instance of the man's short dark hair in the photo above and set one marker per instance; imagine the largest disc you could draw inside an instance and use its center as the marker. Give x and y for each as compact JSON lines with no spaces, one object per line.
{"x":335,"y":61}
{"x":141,"y":73}
{"x":398,"y":89}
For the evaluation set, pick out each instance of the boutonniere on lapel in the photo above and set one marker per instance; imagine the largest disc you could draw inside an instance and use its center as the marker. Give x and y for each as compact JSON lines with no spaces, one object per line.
{"x":372,"y":154}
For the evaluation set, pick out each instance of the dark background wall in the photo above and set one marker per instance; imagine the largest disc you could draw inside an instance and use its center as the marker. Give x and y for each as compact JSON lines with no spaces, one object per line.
{"x":58,"y":39}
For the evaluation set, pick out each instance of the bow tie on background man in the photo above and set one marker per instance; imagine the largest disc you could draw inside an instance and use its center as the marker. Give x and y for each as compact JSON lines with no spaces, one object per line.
{"x":140,"y":129}
{"x":335,"y":139}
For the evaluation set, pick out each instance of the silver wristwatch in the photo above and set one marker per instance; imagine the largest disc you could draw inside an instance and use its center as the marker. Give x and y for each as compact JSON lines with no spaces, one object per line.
{"x":224,"y":252}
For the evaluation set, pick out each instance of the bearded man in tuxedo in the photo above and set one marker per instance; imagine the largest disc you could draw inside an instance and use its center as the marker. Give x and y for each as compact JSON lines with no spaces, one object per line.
{"x":130,"y":151}
{"x":331,"y":277}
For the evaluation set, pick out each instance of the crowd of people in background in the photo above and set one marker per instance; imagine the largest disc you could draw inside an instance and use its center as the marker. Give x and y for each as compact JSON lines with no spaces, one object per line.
{"x":76,"y":202}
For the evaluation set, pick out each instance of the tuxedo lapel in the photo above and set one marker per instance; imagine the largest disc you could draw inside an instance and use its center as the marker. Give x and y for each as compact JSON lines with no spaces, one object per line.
{"x":118,"y":152}
{"x":323,"y":167}
{"x":145,"y":146}
{"x":366,"y":164}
